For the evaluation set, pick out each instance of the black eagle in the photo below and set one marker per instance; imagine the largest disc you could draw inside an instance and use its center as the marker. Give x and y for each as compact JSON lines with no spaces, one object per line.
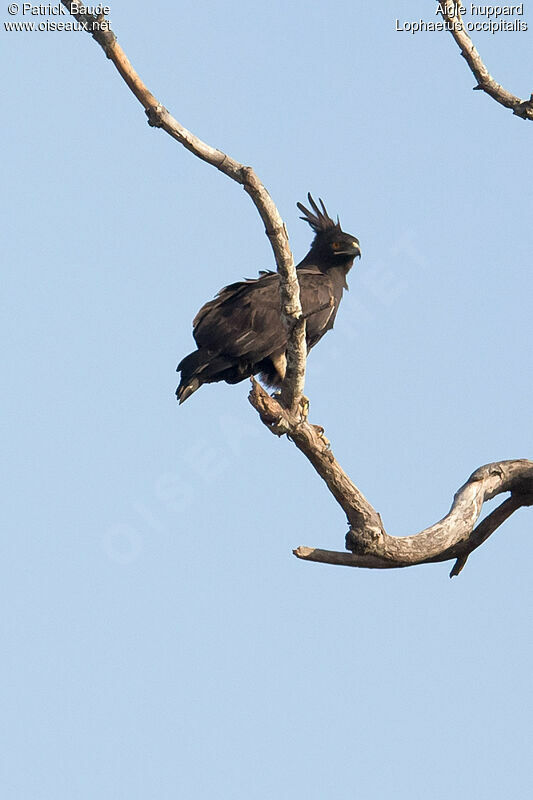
{"x":241,"y":333}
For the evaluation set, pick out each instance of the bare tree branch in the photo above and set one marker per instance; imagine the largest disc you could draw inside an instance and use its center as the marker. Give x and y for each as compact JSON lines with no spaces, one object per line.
{"x":485,"y":81}
{"x":453,"y":537}
{"x":159,"y":117}
{"x":311,"y":441}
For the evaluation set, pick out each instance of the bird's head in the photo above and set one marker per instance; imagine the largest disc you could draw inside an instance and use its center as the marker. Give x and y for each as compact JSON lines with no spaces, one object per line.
{"x":331,"y":245}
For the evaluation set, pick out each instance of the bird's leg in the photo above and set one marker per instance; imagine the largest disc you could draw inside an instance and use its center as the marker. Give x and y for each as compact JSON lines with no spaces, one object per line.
{"x":280,"y":365}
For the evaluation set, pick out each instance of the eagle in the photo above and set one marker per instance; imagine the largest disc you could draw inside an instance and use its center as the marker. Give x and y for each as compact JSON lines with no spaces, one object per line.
{"x":241,"y":332}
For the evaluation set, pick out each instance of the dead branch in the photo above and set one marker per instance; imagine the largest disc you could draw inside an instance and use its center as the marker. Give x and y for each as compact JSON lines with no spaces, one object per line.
{"x":159,"y":117}
{"x":485,"y":81}
{"x":455,"y":536}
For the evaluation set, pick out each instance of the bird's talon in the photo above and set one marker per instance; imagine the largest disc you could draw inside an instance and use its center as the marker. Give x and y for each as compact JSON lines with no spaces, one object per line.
{"x":304,"y":406}
{"x":320,"y":431}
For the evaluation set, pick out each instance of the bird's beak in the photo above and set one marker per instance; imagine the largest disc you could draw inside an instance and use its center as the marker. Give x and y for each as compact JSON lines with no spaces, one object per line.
{"x":352,"y":249}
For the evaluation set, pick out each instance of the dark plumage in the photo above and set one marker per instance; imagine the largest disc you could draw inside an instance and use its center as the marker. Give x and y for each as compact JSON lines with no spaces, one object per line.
{"x":241,"y":333}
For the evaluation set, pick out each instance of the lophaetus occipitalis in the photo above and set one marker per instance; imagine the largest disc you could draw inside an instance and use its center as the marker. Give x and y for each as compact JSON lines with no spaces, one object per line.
{"x":241,"y":333}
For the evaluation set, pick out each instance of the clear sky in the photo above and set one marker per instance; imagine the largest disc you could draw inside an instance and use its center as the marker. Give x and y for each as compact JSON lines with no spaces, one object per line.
{"x":159,"y":638}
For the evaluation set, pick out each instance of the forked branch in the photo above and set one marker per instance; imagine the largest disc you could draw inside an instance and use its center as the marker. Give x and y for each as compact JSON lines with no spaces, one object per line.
{"x":453,"y":537}
{"x":485,"y":81}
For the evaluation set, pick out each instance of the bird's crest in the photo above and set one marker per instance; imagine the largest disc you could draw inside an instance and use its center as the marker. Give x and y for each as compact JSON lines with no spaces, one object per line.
{"x":320,"y":220}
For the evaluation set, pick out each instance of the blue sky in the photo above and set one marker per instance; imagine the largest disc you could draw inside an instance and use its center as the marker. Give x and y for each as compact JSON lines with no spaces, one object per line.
{"x":160,"y":640}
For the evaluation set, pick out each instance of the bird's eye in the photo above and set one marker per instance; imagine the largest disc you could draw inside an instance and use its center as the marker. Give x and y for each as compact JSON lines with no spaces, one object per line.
{"x":336,"y":245}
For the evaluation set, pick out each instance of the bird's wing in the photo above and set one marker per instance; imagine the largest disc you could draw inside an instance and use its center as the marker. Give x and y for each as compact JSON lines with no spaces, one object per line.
{"x":320,"y":302}
{"x":244,"y":319}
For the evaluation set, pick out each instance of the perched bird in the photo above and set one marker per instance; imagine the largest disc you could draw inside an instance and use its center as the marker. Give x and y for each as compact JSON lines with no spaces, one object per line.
{"x":241,"y":332}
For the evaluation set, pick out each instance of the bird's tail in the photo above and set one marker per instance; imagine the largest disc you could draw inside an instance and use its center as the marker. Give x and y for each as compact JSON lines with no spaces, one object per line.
{"x":185,"y":390}
{"x":203,"y":367}
{"x":190,"y":367}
